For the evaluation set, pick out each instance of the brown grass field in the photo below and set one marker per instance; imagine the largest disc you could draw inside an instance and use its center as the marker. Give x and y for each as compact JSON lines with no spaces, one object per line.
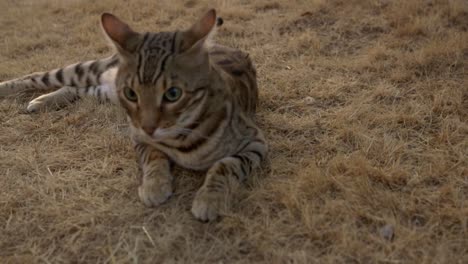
{"x":364,"y":104}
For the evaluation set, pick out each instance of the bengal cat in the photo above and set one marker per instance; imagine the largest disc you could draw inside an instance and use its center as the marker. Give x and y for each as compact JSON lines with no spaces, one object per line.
{"x":188,"y":101}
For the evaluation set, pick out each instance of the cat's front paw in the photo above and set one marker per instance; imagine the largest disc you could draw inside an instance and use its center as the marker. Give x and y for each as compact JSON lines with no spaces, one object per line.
{"x":154,"y":192}
{"x":207,"y":205}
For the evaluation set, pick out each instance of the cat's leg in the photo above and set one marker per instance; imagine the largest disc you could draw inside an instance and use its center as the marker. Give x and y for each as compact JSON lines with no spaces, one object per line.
{"x":79,"y":75}
{"x":223,"y":180}
{"x":56,"y":99}
{"x":67,"y":95}
{"x":156,"y":178}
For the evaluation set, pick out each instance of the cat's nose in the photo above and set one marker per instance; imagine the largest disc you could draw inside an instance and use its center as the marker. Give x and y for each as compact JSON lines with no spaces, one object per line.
{"x":149,"y":129}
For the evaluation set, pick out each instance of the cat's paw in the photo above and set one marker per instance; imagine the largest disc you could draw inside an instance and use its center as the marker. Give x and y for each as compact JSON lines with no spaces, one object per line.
{"x":207,"y":205}
{"x":154,"y":192}
{"x":37,"y":104}
{"x":54,"y":100}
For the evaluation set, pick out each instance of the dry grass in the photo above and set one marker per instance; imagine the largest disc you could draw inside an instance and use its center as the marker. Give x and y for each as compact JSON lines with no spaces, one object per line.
{"x":364,"y":103}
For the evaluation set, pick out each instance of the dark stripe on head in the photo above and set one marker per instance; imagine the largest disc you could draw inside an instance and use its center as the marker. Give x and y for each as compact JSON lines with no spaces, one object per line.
{"x":145,"y":38}
{"x":139,"y":75}
{"x":140,"y":58}
{"x":161,"y":70}
{"x":151,"y":38}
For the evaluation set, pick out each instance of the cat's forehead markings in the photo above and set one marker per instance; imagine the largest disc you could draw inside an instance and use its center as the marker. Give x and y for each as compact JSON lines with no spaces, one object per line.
{"x":162,"y":40}
{"x":156,"y":53}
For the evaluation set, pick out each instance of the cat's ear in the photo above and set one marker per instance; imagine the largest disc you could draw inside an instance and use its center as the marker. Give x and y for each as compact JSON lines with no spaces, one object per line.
{"x":199,"y":32}
{"x":120,"y":34}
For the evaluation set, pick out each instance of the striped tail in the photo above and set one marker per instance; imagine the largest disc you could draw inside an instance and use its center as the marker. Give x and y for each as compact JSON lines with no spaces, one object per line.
{"x":79,"y":75}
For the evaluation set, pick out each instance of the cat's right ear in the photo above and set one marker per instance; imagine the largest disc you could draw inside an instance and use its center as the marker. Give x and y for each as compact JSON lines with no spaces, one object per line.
{"x":120,"y":34}
{"x":196,"y":35}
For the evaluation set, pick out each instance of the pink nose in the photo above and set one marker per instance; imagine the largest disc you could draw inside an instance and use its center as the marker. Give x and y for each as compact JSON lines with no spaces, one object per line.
{"x":149,"y":129}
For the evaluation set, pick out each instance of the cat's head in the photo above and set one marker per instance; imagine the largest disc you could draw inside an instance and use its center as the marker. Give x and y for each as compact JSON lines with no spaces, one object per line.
{"x":162,"y":77}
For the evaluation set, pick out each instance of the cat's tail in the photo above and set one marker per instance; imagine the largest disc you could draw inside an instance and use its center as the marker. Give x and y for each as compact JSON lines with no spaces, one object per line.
{"x":79,"y":75}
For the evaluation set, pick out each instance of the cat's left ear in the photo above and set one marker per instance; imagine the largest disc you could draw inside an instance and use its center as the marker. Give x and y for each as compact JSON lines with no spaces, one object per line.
{"x":120,"y":34}
{"x":199,"y":32}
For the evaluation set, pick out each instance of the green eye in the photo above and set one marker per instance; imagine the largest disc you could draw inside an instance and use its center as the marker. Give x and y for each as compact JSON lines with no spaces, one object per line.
{"x":130,"y":94}
{"x":172,"y":94}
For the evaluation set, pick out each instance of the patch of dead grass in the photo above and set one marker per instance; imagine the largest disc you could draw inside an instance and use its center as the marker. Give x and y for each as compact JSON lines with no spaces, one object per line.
{"x":364,"y":103}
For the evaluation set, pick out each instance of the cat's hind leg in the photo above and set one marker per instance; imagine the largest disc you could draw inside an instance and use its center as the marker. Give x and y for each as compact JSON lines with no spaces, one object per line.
{"x":54,"y":100}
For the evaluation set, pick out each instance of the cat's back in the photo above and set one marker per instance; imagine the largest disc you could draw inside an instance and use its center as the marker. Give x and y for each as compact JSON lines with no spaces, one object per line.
{"x":238,"y":65}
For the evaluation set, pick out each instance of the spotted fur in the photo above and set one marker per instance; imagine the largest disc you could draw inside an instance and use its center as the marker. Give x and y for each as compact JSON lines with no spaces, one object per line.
{"x":209,"y":127}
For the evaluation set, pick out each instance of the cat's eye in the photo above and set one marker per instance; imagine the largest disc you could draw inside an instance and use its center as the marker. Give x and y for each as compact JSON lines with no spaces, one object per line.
{"x":172,"y":94}
{"x":130,"y":94}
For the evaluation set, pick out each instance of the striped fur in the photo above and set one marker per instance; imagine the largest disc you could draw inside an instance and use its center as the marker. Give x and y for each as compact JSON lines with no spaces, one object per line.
{"x":209,"y":127}
{"x":79,"y":75}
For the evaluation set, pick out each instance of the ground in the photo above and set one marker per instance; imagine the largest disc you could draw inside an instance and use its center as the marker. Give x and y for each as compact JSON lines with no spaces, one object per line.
{"x":364,"y":105}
